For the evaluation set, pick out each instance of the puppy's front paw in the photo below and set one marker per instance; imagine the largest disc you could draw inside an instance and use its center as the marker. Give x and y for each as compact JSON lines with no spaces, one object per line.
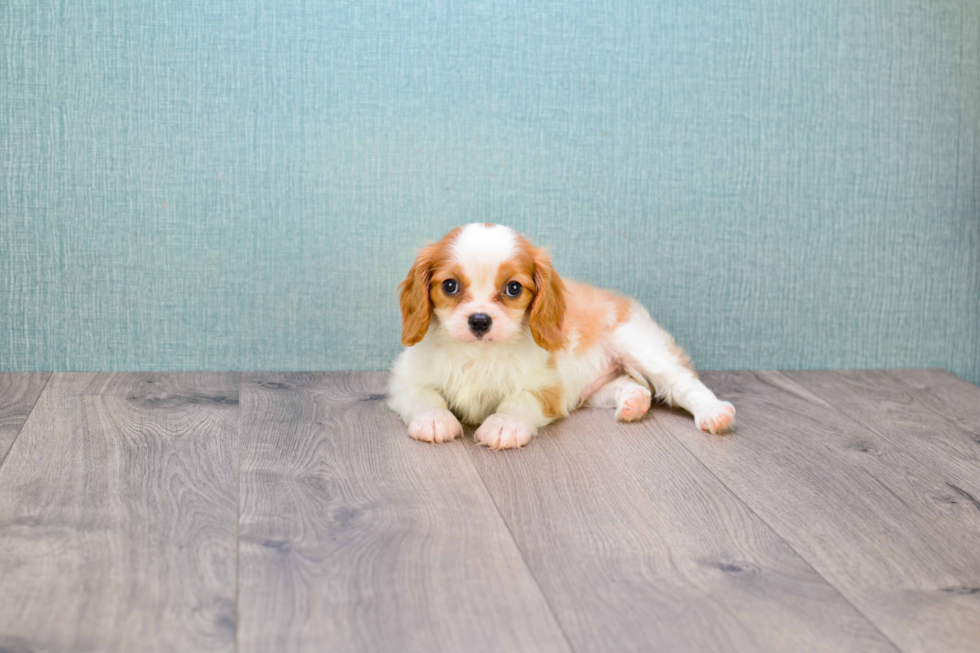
{"x":437,"y":425}
{"x":717,"y":419}
{"x":501,"y":431}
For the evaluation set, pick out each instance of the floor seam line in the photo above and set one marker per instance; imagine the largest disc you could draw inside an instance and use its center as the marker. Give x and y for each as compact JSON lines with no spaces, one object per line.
{"x":238,"y":522}
{"x":925,"y":400}
{"x":782,"y":539}
{"x":26,"y":419}
{"x":883,"y":434}
{"x":520,"y":552}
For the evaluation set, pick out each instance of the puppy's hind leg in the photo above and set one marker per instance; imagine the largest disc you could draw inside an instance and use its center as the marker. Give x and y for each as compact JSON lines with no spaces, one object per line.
{"x":630,"y":399}
{"x":645,"y":348}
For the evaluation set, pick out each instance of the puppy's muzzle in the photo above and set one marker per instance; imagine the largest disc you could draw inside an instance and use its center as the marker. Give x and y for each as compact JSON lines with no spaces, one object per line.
{"x":480,"y":323}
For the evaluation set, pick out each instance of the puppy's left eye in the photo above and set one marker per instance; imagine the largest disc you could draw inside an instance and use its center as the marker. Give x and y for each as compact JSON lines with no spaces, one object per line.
{"x":513,"y":289}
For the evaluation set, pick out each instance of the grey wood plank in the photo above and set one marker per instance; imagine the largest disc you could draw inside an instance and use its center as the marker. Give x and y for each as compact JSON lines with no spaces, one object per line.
{"x":861,"y":508}
{"x":356,"y":538}
{"x":18,"y":394}
{"x":957,"y":400}
{"x":118,"y":516}
{"x":639,"y":548}
{"x":893,"y":410}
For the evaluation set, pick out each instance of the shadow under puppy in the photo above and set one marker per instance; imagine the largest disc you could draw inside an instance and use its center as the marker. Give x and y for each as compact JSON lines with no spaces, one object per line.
{"x":495,"y":337}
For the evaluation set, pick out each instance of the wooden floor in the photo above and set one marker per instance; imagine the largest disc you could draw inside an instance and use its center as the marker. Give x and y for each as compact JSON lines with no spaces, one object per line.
{"x":291,"y":512}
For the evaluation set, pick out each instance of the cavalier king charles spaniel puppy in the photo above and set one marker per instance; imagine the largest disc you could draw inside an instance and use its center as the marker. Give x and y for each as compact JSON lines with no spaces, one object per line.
{"x":495,"y":337}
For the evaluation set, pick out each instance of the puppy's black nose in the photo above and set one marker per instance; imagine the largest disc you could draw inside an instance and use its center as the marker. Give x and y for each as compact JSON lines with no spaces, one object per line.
{"x":480,"y":323}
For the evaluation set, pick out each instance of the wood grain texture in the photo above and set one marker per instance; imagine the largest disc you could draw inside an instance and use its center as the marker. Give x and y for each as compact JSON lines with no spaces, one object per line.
{"x":952,"y":397}
{"x":843,"y":515}
{"x":862,"y":508}
{"x":894,"y":410}
{"x":118,"y":516}
{"x":356,"y":538}
{"x":639,"y":548}
{"x":18,"y":394}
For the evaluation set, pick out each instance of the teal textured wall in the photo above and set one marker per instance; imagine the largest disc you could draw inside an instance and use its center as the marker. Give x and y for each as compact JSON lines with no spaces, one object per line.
{"x":242,"y":184}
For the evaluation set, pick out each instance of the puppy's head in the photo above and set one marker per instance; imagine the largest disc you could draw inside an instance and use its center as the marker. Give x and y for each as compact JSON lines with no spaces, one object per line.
{"x":483,"y":283}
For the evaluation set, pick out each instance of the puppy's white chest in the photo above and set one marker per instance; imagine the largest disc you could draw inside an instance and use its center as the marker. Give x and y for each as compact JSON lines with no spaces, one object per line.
{"x":475,"y":385}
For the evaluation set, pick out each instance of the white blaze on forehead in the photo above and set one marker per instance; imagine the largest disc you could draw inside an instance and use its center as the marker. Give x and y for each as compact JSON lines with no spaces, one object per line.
{"x":480,"y":249}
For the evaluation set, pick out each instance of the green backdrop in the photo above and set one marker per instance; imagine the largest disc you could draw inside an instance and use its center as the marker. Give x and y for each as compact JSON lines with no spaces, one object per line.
{"x":242,"y":184}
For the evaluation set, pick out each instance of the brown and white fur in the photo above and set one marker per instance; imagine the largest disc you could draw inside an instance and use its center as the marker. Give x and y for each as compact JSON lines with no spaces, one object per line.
{"x":554,"y":346}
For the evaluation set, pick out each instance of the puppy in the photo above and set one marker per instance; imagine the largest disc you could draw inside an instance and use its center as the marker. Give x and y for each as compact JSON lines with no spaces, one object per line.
{"x":495,"y":337}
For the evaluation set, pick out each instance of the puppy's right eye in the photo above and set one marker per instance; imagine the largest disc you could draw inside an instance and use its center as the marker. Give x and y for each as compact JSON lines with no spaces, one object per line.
{"x":450,"y":287}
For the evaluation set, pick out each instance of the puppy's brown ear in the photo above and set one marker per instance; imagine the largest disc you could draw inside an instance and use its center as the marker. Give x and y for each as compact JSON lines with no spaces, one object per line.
{"x":548,"y":307}
{"x":415,"y":303}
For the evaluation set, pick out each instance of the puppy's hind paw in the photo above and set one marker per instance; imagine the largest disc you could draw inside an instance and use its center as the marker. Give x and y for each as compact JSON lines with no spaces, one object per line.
{"x":437,"y":425}
{"x":720,"y":418}
{"x":633,"y":403}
